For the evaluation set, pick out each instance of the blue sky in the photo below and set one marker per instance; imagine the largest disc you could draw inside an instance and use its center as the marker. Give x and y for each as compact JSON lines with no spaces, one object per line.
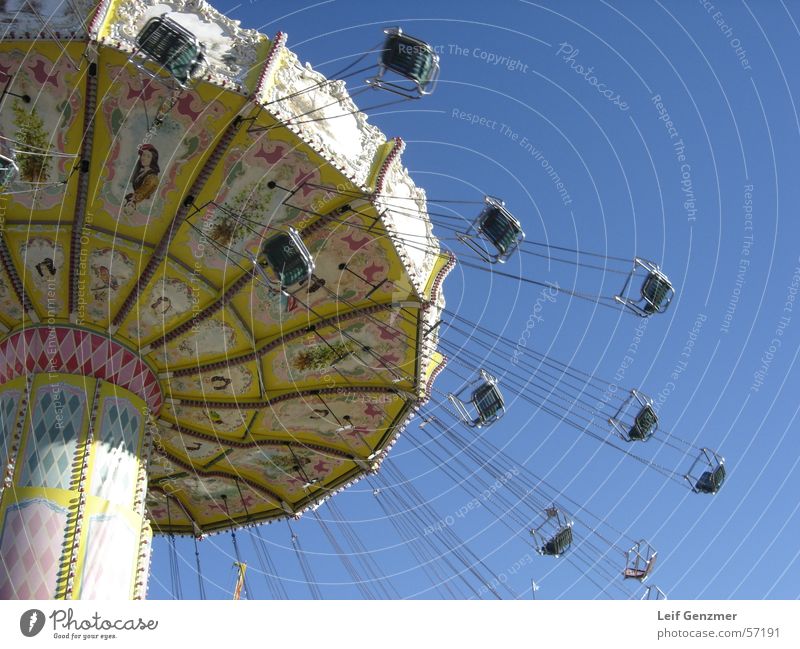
{"x":515,"y":85}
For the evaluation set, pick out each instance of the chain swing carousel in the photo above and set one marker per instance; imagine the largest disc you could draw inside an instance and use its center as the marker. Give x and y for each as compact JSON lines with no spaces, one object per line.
{"x":209,"y":318}
{"x":220,"y":303}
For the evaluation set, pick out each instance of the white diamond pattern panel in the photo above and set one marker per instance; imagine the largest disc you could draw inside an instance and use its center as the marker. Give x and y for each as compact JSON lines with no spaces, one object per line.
{"x":116,"y":464}
{"x":108,"y":569}
{"x":8,"y":411}
{"x":31,"y":538}
{"x":57,"y":421}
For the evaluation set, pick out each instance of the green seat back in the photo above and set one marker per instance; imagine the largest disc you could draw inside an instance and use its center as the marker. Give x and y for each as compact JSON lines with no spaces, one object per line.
{"x":488,"y":401}
{"x":644,"y":424}
{"x":499,"y":229}
{"x":170,"y":46}
{"x":409,"y":58}
{"x":560,"y":542}
{"x":655,"y":291}
{"x":283,"y":256}
{"x":711,"y":481}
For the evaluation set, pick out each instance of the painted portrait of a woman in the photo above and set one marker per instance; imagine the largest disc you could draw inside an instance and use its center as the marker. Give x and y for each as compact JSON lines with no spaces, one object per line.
{"x":145,"y":178}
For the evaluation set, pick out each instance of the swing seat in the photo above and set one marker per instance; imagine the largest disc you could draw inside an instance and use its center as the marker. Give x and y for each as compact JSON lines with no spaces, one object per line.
{"x":644,"y":425}
{"x":498,"y":227}
{"x":172,"y":46}
{"x":559,"y":543}
{"x":710,"y":482}
{"x":639,"y":573}
{"x":657,"y":293}
{"x":8,"y":170}
{"x":502,"y":230}
{"x":640,"y":561}
{"x":488,"y":402}
{"x":409,"y":58}
{"x":553,"y":536}
{"x":287,"y":256}
{"x":713,"y":475}
{"x":485,"y":400}
{"x":635,"y":573}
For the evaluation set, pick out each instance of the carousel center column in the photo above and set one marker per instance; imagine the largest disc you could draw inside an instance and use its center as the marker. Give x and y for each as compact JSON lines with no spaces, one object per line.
{"x":75,"y":432}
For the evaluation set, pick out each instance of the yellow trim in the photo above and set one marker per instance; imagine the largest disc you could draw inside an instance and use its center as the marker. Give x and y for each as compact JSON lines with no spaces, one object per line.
{"x":254,"y":75}
{"x":380,"y":159}
{"x":442,"y":260}
{"x":436,"y":360}
{"x":18,"y":382}
{"x":111,"y":16}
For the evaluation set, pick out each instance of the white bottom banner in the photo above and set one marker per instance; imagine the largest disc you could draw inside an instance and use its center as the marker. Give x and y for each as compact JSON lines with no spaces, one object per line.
{"x":386,"y":625}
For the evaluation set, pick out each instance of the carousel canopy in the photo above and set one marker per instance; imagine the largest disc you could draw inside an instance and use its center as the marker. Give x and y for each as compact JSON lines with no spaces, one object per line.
{"x":153,"y":150}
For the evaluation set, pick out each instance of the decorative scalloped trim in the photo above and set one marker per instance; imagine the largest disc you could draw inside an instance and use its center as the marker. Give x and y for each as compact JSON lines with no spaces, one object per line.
{"x":428,"y":308}
{"x":442,"y":274}
{"x":371,"y":138}
{"x":89,"y":106}
{"x":245,"y":42}
{"x":278,"y":43}
{"x":100,"y":13}
{"x":61,"y":29}
{"x":436,"y":371}
{"x":398,"y":148}
{"x":398,"y":242}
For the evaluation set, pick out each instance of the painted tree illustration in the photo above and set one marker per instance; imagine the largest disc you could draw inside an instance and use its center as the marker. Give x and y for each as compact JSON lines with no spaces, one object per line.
{"x":31,"y":143}
{"x":322,"y":356}
{"x":239,"y":215}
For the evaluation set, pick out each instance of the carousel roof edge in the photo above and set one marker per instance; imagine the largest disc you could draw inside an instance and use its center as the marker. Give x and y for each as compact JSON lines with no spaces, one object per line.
{"x":235,"y":57}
